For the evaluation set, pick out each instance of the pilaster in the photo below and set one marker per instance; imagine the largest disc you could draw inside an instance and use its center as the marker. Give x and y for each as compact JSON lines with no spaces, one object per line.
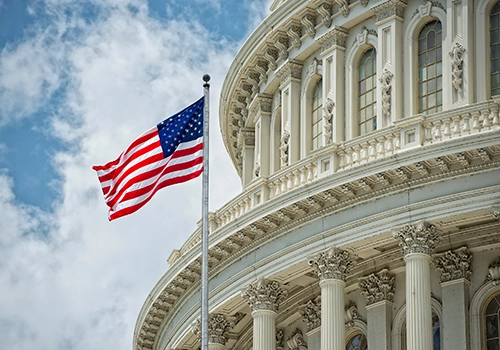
{"x":456,"y":268}
{"x":261,"y":113}
{"x":246,"y":142}
{"x":417,"y":243}
{"x":379,"y":291}
{"x":290,"y":78}
{"x":332,"y":266}
{"x":333,"y":45}
{"x":264,"y":297}
{"x":390,"y":97}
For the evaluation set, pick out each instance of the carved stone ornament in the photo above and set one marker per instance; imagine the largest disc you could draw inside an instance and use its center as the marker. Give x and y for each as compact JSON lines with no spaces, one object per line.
{"x":264,"y":294}
{"x":327,"y":120}
{"x":337,"y":37}
{"x":325,"y":11}
{"x":285,"y":138}
{"x":388,"y":9}
{"x":364,"y":3}
{"x":453,"y":265}
{"x":296,"y":341}
{"x":218,"y":328}
{"x":311,"y":313}
{"x":350,"y":314}
{"x":344,"y":7}
{"x":385,"y":85}
{"x":425,"y":9}
{"x":420,"y":237}
{"x":281,"y":43}
{"x":309,"y":22}
{"x":333,"y":263}
{"x":494,"y":272}
{"x":294,"y":32}
{"x":456,"y":55}
{"x":292,"y":69}
{"x":378,"y":287}
{"x":256,"y":169}
{"x":280,"y":339}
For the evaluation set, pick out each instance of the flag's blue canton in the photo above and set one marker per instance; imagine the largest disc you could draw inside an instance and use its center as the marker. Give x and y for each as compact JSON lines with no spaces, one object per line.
{"x":187,"y":125}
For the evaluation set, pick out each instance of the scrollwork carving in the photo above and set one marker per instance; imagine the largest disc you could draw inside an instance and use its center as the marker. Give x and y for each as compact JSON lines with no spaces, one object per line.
{"x":344,"y":7}
{"x":311,"y":313}
{"x":454,"y":264}
{"x":378,"y":287}
{"x":420,"y":237}
{"x":385,"y":85}
{"x":296,"y":341}
{"x":351,"y":314}
{"x":264,"y":294}
{"x":456,"y":55}
{"x":494,"y":272}
{"x":327,"y":120}
{"x":333,"y":263}
{"x":218,"y":328}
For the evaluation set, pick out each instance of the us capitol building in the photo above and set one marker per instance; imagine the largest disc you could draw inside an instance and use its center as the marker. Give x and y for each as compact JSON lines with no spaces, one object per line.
{"x":367,"y":137}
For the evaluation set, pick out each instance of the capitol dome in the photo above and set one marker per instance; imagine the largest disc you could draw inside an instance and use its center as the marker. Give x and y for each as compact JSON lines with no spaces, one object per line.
{"x":367,"y":138}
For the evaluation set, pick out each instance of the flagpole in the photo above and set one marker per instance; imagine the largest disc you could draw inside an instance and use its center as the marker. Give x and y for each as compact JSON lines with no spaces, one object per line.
{"x":204,"y":238}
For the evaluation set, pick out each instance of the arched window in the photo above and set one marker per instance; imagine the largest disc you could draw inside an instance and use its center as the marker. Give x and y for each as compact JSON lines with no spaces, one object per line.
{"x":430,"y":68}
{"x":357,"y":342}
{"x":495,"y":49}
{"x":367,"y":83}
{"x":317,"y":125}
{"x":492,"y":318}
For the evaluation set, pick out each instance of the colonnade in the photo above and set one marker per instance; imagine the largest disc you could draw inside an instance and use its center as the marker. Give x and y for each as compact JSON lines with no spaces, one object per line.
{"x":326,"y":312}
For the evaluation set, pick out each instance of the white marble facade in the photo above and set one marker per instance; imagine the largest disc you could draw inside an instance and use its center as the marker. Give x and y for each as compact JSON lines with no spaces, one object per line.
{"x":367,"y":137}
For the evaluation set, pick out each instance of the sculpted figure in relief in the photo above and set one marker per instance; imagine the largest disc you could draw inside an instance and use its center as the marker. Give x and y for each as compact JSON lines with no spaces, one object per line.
{"x":284,"y":148}
{"x":328,"y":119}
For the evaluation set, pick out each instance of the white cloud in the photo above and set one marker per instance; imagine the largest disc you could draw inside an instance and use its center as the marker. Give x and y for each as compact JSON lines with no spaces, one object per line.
{"x":70,"y":279}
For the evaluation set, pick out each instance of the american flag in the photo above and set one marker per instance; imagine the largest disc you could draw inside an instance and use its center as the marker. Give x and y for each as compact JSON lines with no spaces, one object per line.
{"x":169,"y":153}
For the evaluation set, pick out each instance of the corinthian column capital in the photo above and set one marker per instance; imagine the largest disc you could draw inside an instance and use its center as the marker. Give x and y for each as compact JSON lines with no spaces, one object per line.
{"x":311,"y":313}
{"x":218,"y":328}
{"x":378,"y":287}
{"x":333,"y":263}
{"x":264,"y":294}
{"x":420,"y":237}
{"x":454,"y":265}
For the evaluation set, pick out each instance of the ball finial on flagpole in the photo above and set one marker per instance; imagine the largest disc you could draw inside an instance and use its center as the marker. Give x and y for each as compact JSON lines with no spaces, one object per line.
{"x":206,"y":79}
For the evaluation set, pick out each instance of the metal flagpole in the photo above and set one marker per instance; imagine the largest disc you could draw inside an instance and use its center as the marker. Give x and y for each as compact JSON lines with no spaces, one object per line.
{"x":204,"y":238}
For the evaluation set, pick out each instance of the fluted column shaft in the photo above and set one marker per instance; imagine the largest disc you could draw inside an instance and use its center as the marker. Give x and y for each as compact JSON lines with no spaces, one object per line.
{"x":332,"y":314}
{"x":264,"y":330}
{"x":418,"y":302}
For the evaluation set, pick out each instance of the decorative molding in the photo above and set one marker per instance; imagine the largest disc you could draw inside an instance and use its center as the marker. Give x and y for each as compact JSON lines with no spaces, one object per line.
{"x":264,"y":294}
{"x":453,"y":265}
{"x":327,"y":120}
{"x":311,"y":313}
{"x":281,"y":43}
{"x":309,"y":22}
{"x":494,"y":272}
{"x":335,"y":38}
{"x":333,"y":263}
{"x":292,"y":69}
{"x":280,"y":339}
{"x":385,"y":81}
{"x":285,"y":138}
{"x":378,"y":287}
{"x":456,"y":55}
{"x":325,"y":11}
{"x":262,"y":66}
{"x":362,"y":37}
{"x":218,"y":328}
{"x":364,"y":3}
{"x":296,"y":341}
{"x":388,"y":9}
{"x":344,"y":7}
{"x":294,"y":32}
{"x":271,"y":56}
{"x":350,"y":314}
{"x":420,"y":237}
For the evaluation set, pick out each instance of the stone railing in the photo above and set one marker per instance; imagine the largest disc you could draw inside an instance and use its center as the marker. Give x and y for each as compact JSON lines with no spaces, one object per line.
{"x":402,"y":136}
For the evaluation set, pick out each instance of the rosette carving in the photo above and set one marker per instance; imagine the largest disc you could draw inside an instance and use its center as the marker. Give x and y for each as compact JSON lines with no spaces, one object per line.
{"x":420,"y":237}
{"x":378,"y":287}
{"x":454,"y":264}
{"x":264,"y":294}
{"x":311,"y":313}
{"x":333,"y":263}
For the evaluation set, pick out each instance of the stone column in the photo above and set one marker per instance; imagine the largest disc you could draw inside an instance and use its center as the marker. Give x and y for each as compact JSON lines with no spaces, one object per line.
{"x":455,"y":267}
{"x":290,"y":78}
{"x":417,"y":243}
{"x":379,"y":291}
{"x":333,"y":51}
{"x":218,"y":328}
{"x":332,"y":266}
{"x":264,"y":297}
{"x":260,"y":111}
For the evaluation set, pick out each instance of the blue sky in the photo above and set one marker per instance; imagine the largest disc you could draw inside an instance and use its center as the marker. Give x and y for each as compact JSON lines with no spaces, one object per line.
{"x":79,"y":80}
